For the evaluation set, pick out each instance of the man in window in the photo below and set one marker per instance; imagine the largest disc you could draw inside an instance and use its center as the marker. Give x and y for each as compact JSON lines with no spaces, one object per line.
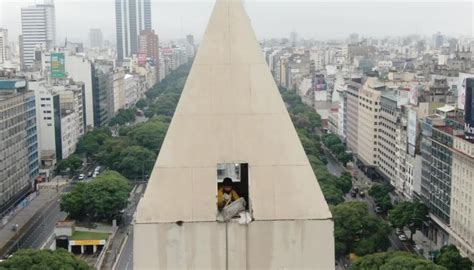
{"x":226,"y":194}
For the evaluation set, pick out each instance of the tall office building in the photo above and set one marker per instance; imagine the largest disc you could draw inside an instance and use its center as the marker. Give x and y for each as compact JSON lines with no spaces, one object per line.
{"x":3,"y":44}
{"x":95,"y":38}
{"x":131,"y":17}
{"x":38,"y":27}
{"x":149,"y":44}
{"x":19,"y":164}
{"x":102,"y":92}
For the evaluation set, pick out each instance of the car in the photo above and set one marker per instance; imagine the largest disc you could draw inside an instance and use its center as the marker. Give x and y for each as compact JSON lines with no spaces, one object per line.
{"x":81,"y":176}
{"x":90,"y":174}
{"x":97,"y":169}
{"x":378,"y":209}
{"x":353,"y":194}
{"x":356,"y":189}
{"x":95,"y":174}
{"x":398,"y":231}
{"x":362,"y":194}
{"x":402,"y":237}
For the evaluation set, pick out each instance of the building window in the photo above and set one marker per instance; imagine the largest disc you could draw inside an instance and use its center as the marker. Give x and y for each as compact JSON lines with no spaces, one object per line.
{"x":232,"y":191}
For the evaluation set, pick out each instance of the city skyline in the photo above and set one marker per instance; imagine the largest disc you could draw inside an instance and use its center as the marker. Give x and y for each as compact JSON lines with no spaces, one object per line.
{"x":172,"y":20}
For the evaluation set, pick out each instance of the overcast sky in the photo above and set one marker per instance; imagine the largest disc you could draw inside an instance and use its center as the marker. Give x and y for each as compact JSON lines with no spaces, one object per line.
{"x":310,"y":19}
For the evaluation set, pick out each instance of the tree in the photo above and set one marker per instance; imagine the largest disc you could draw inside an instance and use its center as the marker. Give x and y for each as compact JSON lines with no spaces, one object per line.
{"x":344,"y":182}
{"x":356,"y":230}
{"x":394,"y":261}
{"x":35,"y":259}
{"x":141,"y":104}
{"x":381,"y":196}
{"x":149,"y":135}
{"x":332,"y":194}
{"x":450,"y":258}
{"x":90,"y":143}
{"x":123,"y":117}
{"x":409,"y":214}
{"x":72,"y":163}
{"x":110,"y":152}
{"x":136,"y":162}
{"x":100,"y":199}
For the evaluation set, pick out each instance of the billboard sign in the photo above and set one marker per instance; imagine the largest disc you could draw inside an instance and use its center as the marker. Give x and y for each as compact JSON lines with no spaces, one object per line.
{"x":461,"y":88}
{"x":469,"y":108}
{"x":57,"y":65}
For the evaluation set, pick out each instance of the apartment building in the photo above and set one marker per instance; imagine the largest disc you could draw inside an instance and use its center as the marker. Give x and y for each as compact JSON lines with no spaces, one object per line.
{"x":352,"y":112}
{"x":462,"y":193}
{"x":19,"y":164}
{"x":61,"y":117}
{"x":368,"y":124}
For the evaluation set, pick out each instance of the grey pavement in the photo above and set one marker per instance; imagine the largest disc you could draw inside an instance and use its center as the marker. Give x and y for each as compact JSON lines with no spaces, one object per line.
{"x":333,"y":166}
{"x":125,"y":261}
{"x":24,"y":218}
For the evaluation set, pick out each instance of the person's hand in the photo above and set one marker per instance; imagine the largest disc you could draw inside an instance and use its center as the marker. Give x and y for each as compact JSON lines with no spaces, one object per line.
{"x":226,"y":197}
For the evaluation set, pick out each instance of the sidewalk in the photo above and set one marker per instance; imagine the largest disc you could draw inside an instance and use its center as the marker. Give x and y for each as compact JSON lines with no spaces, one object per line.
{"x":24,"y":216}
{"x":425,"y":243}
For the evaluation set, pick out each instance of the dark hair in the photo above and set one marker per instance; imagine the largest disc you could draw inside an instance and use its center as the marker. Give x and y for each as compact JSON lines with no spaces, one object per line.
{"x":227,"y":181}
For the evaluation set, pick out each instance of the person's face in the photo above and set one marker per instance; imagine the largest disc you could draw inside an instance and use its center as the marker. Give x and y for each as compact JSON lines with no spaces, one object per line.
{"x":227,"y":188}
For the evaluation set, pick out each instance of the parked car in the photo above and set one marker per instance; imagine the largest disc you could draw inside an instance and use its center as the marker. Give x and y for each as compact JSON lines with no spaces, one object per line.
{"x":356,"y":189}
{"x":402,"y":237}
{"x":97,"y":169}
{"x":90,"y":174}
{"x":95,"y":174}
{"x":362,"y":194}
{"x":81,"y":176}
{"x":398,"y":231}
{"x":353,"y":194}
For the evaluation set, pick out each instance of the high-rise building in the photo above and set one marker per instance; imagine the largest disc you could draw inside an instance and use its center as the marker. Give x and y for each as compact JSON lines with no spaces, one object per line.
{"x":95,"y":38}
{"x":38,"y":28}
{"x":19,"y":164}
{"x":244,"y":134}
{"x":131,"y":17}
{"x":368,"y":124}
{"x":102,"y":89}
{"x":3,"y":45}
{"x":352,"y":102}
{"x":149,"y":47}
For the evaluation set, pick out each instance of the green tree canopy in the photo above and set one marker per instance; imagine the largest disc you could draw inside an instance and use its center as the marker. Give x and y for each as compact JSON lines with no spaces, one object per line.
{"x":99,"y":199}
{"x":450,"y":258}
{"x":381,"y":196}
{"x":90,"y":143}
{"x":357,"y":230}
{"x":136,"y":162}
{"x":394,"y":261}
{"x":123,"y":117}
{"x":34,"y":259}
{"x":410,"y":215}
{"x":149,"y":135}
{"x":141,"y":104}
{"x":72,"y":163}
